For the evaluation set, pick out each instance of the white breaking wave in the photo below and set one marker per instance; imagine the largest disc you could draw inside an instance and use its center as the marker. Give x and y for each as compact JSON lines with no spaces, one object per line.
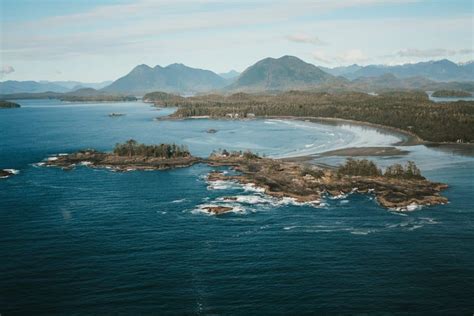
{"x":221,"y":185}
{"x":178,"y":201}
{"x":12,"y":171}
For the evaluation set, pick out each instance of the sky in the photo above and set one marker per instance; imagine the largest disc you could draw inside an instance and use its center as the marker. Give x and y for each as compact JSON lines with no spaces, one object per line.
{"x":98,"y":40}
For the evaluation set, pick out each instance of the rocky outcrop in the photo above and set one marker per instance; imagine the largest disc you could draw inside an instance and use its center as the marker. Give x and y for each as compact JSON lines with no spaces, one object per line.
{"x":6,"y":173}
{"x":308,"y":184}
{"x":277,"y":178}
{"x":217,"y":210}
{"x":96,"y":159}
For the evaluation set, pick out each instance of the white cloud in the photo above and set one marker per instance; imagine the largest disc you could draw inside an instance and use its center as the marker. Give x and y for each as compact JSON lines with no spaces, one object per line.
{"x":6,"y":69}
{"x":351,"y":56}
{"x":305,"y":38}
{"x":321,"y":57}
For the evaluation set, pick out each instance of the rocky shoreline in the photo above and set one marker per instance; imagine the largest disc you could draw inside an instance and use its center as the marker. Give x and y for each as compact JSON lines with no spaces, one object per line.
{"x":308,"y":184}
{"x":96,"y":159}
{"x":277,"y":178}
{"x":7,"y":173}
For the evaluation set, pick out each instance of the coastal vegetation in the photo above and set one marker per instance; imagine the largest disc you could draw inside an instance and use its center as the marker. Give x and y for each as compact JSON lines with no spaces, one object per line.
{"x":398,"y":187}
{"x":97,"y":98}
{"x":451,"y":94}
{"x":162,"y":97}
{"x":132,"y":148}
{"x":364,"y":167}
{"x":410,"y":111}
{"x":8,"y":105}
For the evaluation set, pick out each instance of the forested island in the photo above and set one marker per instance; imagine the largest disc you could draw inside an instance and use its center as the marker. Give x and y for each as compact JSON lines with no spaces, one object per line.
{"x":8,"y":105}
{"x":397,"y":187}
{"x":451,"y":94}
{"x":130,"y":155}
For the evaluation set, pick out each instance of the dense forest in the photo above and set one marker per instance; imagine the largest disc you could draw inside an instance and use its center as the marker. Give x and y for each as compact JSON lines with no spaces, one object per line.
{"x":364,"y":167}
{"x":97,"y":98}
{"x":409,"y":111}
{"x":133,"y":148}
{"x":451,"y":94}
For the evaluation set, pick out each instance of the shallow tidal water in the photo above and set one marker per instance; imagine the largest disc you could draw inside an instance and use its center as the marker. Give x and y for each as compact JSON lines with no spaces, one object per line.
{"x":91,"y":241}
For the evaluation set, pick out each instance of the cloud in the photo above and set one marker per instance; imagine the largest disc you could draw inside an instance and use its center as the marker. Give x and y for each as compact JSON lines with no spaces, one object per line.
{"x":321,"y":57}
{"x":351,"y":56}
{"x":7,"y":69}
{"x":433,"y":52}
{"x":305,"y":38}
{"x":107,"y":28}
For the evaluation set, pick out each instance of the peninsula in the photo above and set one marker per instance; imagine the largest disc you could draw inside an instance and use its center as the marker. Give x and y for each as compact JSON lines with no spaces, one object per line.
{"x":408,"y":111}
{"x":398,"y":187}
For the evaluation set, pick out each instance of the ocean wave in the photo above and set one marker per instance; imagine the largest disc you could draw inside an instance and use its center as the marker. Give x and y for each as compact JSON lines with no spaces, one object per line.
{"x":409,"y":208}
{"x":14,"y":171}
{"x":246,"y":199}
{"x":221,"y":185}
{"x":178,"y":201}
{"x":252,"y":187}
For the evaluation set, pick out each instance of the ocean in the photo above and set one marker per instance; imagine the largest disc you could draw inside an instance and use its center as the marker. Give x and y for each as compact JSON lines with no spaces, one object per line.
{"x":92,"y":241}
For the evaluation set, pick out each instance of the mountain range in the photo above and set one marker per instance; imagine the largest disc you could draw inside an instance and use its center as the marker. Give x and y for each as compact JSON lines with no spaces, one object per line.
{"x":439,"y":70}
{"x":12,"y":86}
{"x":269,"y":74}
{"x":176,"y":78}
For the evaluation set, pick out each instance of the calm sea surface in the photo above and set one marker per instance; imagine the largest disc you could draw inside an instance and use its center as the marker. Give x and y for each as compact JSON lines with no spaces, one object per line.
{"x":97,"y":242}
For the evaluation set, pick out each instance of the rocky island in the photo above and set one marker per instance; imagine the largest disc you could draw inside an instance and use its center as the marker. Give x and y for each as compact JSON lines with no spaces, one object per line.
{"x":128,"y":156}
{"x":6,"y":173}
{"x":398,"y":187}
{"x":113,"y":114}
{"x":8,"y":105}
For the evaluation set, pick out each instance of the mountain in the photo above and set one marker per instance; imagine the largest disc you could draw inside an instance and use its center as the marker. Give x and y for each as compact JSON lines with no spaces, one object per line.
{"x":341,"y":70}
{"x":440,"y":70}
{"x":389,"y":82}
{"x":74,"y":85}
{"x":176,"y":78}
{"x":230,"y":74}
{"x":284,"y":73}
{"x":11,"y":86}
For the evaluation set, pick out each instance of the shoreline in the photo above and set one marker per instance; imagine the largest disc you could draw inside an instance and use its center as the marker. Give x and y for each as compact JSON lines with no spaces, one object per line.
{"x":277,"y":178}
{"x":407,"y":138}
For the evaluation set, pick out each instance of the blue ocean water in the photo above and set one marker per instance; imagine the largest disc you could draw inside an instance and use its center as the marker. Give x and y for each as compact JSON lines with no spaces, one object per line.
{"x":91,"y":241}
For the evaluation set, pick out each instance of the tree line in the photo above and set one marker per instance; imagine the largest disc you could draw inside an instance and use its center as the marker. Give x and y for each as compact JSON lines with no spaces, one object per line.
{"x":364,"y":167}
{"x":409,"y":111}
{"x":132,"y":148}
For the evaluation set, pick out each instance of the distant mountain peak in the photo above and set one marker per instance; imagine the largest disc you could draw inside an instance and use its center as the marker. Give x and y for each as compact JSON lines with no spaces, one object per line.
{"x":283,"y":73}
{"x":175,"y":78}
